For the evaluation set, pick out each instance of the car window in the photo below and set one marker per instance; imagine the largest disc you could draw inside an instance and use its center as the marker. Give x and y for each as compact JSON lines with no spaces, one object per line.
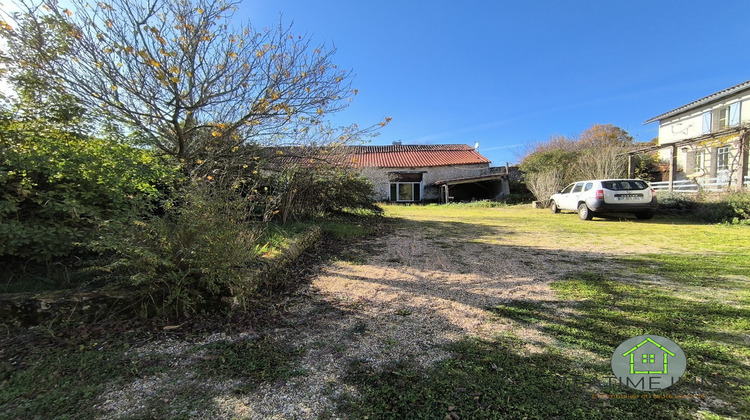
{"x":624,"y":185}
{"x":578,"y":187}
{"x":588,"y":186}
{"x":567,"y":189}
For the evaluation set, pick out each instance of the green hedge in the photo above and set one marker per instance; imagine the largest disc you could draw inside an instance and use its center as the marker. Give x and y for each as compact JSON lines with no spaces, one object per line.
{"x":730,"y":208}
{"x":55,"y":187}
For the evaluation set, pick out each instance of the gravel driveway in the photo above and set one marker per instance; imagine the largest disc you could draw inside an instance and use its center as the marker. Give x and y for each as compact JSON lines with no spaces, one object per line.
{"x":401,"y":296}
{"x":404,"y":295}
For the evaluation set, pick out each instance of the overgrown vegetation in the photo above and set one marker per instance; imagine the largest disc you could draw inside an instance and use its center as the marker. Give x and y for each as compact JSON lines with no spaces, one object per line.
{"x":150,"y":167}
{"x":77,"y":371}
{"x":57,"y":186}
{"x":199,"y":250}
{"x":731,"y":208}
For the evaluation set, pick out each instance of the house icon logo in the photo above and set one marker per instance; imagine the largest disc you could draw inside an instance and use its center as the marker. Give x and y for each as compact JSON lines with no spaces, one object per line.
{"x":648,"y":363}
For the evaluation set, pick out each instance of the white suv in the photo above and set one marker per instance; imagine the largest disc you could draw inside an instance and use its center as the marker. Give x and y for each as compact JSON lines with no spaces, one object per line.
{"x":603,"y":196}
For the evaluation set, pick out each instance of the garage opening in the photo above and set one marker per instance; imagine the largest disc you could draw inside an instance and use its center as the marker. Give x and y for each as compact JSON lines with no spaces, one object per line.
{"x":489,"y":187}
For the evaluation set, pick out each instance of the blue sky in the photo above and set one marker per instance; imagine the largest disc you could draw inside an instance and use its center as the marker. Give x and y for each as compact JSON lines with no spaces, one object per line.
{"x":507,"y":74}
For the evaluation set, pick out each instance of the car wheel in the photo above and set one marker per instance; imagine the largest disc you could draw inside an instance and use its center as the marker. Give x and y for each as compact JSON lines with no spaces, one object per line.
{"x":584,"y":213}
{"x":644,"y":215}
{"x":553,"y":207}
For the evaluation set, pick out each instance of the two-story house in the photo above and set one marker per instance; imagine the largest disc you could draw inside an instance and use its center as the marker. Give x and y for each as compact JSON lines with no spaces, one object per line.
{"x":707,"y":138}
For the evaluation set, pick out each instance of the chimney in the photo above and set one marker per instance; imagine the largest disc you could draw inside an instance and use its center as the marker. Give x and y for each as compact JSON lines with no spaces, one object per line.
{"x":397,"y":143}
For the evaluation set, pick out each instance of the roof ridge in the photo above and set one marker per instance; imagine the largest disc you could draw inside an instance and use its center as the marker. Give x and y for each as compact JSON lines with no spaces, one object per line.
{"x":703,"y":100}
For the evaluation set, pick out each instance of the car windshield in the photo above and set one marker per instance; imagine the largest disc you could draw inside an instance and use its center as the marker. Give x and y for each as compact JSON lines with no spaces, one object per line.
{"x":624,"y":184}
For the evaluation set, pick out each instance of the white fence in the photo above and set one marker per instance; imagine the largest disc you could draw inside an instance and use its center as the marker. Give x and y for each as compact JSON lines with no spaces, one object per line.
{"x":701,"y":184}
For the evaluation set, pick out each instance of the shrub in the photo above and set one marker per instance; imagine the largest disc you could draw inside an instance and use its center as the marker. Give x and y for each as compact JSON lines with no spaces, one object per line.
{"x":669,"y":200}
{"x":731,"y":208}
{"x":544,"y":184}
{"x":306,"y":192}
{"x":199,"y":251}
{"x":55,"y":187}
{"x":740,"y":205}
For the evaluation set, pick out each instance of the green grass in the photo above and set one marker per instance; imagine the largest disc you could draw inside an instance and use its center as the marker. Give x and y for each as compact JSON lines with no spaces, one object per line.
{"x":489,"y":379}
{"x":55,"y":372}
{"x":345,"y":225}
{"x":67,"y":379}
{"x":683,"y":280}
{"x":686,"y":281}
{"x":256,"y":361}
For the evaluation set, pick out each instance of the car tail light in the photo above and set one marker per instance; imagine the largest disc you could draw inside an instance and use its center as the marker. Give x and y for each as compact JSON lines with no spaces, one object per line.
{"x":600,"y":194}
{"x":653,"y":192}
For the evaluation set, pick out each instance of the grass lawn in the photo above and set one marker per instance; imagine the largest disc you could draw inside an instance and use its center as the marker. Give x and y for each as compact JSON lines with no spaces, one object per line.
{"x":686,"y":281}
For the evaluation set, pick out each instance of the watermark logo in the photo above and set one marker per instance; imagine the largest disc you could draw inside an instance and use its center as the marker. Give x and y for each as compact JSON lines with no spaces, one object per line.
{"x":648,"y":363}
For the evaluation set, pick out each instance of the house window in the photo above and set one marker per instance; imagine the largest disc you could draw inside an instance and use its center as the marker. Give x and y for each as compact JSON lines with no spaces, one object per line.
{"x":406,"y":191}
{"x":405,"y":186}
{"x":722,"y":158}
{"x":699,"y":160}
{"x":723,"y":118}
{"x":728,"y":116}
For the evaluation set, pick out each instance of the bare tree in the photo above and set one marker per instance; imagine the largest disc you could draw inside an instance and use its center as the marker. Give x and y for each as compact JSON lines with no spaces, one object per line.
{"x":604,"y":162}
{"x":596,"y":154}
{"x":601,"y":149}
{"x":182,"y":74}
{"x":545,"y":183}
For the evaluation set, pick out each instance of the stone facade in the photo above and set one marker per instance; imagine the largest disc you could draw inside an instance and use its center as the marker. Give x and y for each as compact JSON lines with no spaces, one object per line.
{"x":381,"y":178}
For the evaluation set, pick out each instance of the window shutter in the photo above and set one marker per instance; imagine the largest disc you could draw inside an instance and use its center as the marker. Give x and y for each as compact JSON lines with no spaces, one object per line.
{"x":734,"y":114}
{"x":706,"y":122}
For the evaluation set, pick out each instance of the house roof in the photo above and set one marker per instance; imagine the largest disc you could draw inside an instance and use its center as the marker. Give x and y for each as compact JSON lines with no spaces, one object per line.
{"x":702,"y":101}
{"x":391,"y":156}
{"x":415,"y":155}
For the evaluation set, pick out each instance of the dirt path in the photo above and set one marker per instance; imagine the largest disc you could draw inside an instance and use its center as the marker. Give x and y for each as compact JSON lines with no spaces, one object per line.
{"x":406,"y":297}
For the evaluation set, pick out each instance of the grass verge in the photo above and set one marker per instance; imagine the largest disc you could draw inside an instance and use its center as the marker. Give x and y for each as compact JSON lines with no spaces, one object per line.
{"x":699,"y":298}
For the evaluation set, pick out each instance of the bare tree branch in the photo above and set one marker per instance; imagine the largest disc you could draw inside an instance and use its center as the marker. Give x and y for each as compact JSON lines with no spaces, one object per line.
{"x":180,"y":72}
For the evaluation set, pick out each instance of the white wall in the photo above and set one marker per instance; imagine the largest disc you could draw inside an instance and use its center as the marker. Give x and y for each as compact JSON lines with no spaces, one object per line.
{"x":690,"y":125}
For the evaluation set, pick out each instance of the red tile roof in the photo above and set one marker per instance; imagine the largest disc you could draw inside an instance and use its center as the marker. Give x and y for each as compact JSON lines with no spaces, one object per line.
{"x":415,"y":155}
{"x":391,"y":156}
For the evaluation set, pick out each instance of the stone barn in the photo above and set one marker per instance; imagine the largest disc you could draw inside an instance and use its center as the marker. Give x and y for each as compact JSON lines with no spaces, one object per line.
{"x":428,"y":173}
